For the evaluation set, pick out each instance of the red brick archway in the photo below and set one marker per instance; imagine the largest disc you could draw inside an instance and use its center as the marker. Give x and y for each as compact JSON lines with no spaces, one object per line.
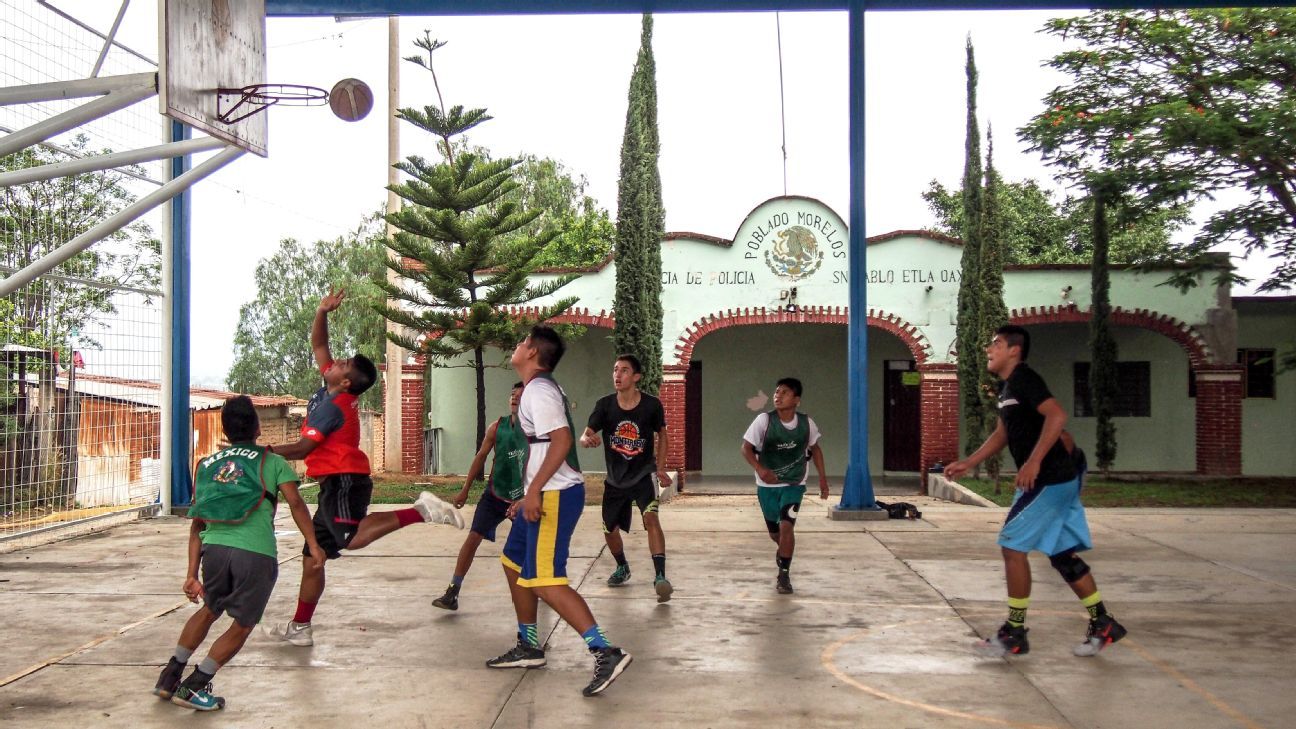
{"x":908,"y":333}
{"x":1219,"y":385}
{"x":673,"y":384}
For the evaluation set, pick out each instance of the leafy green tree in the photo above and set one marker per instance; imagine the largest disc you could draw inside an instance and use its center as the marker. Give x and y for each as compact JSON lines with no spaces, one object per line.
{"x":1179,"y":106}
{"x":994,"y":313}
{"x":454,"y":227}
{"x":37,"y":217}
{"x":272,"y":352}
{"x":1102,"y":345}
{"x":1037,"y":229}
{"x":641,"y":223}
{"x":968,"y":327}
{"x":585,"y":230}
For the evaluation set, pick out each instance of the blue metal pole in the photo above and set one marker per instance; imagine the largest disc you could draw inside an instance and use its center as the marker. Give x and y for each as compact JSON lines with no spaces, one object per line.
{"x":857,"y":492}
{"x":181,"y":440}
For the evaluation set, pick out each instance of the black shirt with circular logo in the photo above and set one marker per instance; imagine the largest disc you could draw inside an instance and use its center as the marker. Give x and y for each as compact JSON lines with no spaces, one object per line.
{"x":628,"y":437}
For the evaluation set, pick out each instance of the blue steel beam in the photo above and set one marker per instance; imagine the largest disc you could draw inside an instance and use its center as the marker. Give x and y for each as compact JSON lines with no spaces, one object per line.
{"x":857,"y":492}
{"x":181,"y":439}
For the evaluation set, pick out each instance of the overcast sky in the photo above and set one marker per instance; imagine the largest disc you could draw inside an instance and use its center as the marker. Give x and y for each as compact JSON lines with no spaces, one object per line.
{"x":557,"y":87}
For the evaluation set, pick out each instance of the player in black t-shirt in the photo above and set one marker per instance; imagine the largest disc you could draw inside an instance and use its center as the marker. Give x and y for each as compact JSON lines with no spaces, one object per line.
{"x":1046,"y":514}
{"x":630,"y":420}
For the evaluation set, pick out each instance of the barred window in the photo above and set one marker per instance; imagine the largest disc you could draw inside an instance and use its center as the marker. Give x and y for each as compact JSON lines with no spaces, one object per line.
{"x":1133,"y":390}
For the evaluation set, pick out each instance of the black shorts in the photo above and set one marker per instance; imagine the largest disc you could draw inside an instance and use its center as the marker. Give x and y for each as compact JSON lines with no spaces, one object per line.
{"x":617,"y":500}
{"x":343,"y":502}
{"x":491,"y":512}
{"x":237,"y":582}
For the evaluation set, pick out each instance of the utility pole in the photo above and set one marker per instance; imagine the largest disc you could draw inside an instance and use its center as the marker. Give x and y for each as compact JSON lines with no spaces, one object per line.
{"x":395,"y":356}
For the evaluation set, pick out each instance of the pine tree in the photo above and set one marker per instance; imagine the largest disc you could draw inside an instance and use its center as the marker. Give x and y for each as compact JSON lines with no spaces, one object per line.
{"x":641,"y":223}
{"x":968,"y":329}
{"x":1102,"y":346}
{"x":994,"y":313}
{"x":453,"y":227}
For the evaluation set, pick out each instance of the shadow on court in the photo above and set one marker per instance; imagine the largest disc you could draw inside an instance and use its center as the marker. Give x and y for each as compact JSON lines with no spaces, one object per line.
{"x":877,"y":634}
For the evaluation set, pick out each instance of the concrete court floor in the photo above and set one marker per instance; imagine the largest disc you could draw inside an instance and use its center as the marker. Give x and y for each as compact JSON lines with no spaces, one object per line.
{"x":877,"y":634}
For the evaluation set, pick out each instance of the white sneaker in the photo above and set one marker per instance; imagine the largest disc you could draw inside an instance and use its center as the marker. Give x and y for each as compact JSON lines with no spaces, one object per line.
{"x":290,"y":632}
{"x":436,"y":511}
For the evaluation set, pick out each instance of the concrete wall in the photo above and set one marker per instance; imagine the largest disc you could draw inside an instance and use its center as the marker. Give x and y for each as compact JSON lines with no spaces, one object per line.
{"x":1267,"y":424}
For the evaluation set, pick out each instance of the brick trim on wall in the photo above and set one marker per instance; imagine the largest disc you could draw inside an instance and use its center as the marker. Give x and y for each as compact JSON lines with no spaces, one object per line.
{"x":1192,"y":342}
{"x":939,"y":416}
{"x":908,"y":333}
{"x":1219,"y":419}
{"x":413,"y":390}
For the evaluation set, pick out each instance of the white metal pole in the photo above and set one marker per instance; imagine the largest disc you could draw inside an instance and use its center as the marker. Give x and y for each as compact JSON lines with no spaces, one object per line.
{"x":98,"y":162}
{"x":394,"y":355}
{"x":127,"y":216}
{"x":60,"y":90}
{"x":72,"y":118}
{"x":108,"y":42}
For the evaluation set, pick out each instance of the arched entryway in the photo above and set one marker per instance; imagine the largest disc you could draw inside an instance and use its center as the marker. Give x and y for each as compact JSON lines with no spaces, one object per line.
{"x":729,"y":362}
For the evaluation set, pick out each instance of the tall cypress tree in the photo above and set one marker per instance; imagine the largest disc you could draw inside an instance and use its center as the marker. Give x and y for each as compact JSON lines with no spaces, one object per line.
{"x":1102,"y":346}
{"x":641,"y":223}
{"x":994,"y":313}
{"x":968,"y":329}
{"x":454,"y":226}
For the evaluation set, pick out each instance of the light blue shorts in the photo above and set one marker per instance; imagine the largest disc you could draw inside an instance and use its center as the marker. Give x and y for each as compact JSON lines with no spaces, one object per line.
{"x":1048,"y":519}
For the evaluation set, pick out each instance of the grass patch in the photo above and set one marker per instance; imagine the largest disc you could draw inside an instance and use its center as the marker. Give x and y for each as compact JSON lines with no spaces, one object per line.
{"x":1275,"y":493}
{"x":400,"y":488}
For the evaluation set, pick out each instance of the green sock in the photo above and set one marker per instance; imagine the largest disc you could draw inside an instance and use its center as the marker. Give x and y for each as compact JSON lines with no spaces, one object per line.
{"x":1017,"y":611}
{"x":1094,"y":605}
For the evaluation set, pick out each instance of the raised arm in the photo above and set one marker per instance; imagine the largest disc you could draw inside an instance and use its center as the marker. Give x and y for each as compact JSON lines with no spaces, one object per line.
{"x":319,"y":327}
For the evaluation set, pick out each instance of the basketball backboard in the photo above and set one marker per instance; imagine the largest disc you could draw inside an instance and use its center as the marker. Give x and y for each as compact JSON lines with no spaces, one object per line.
{"x":208,"y":45}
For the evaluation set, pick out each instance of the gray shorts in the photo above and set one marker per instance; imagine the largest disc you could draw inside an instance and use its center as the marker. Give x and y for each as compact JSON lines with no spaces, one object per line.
{"x":238,"y":582}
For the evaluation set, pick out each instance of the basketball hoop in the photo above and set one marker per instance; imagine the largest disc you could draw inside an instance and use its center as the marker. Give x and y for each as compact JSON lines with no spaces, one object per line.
{"x":235,"y":105}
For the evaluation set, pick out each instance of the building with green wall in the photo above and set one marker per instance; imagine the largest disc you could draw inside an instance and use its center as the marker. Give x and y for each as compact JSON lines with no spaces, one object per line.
{"x":771,"y":301}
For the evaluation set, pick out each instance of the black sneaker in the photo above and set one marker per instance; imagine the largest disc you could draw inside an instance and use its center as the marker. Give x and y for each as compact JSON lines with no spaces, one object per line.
{"x":169,"y":680}
{"x":1008,"y":640}
{"x":784,"y":584}
{"x":522,"y":655}
{"x":450,"y":600}
{"x":608,"y":664}
{"x":620,"y":576}
{"x":1103,"y":631}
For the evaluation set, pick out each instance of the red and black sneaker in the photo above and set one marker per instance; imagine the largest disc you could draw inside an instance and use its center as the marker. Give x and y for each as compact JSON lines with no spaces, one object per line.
{"x":1103,"y":631}
{"x":1008,"y":641}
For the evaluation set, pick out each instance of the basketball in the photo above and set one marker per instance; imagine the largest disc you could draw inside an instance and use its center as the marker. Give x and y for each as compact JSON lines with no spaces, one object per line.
{"x":351,"y":99}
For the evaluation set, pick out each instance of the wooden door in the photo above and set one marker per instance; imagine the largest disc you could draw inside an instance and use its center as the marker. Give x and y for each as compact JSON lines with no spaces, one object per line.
{"x":693,"y":417}
{"x":901,"y":416}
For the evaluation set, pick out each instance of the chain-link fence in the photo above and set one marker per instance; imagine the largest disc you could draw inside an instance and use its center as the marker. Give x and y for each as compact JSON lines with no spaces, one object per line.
{"x":80,"y":347}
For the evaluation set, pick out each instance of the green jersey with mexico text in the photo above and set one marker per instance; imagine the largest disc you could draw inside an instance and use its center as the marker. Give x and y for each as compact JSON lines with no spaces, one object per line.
{"x":235,"y":467}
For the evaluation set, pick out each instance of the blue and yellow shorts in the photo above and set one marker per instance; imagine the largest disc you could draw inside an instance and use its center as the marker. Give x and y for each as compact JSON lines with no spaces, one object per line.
{"x":538,"y":550}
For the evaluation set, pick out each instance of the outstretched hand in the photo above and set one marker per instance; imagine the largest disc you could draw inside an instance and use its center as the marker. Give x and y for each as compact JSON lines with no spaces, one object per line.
{"x":332,"y":300}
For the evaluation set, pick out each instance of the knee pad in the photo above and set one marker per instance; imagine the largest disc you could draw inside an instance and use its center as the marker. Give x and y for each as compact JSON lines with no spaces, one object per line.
{"x":1069,"y":565}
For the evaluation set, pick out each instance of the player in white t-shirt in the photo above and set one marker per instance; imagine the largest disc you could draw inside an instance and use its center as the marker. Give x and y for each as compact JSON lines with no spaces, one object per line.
{"x":535,"y":555}
{"x":779,"y":453}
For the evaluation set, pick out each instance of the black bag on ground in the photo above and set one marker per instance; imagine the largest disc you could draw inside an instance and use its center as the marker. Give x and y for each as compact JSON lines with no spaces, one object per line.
{"x":901,"y":510}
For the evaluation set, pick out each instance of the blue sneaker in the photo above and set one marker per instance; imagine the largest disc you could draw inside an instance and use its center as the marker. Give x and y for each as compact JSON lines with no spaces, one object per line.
{"x":620,"y":576}
{"x":200,"y":700}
